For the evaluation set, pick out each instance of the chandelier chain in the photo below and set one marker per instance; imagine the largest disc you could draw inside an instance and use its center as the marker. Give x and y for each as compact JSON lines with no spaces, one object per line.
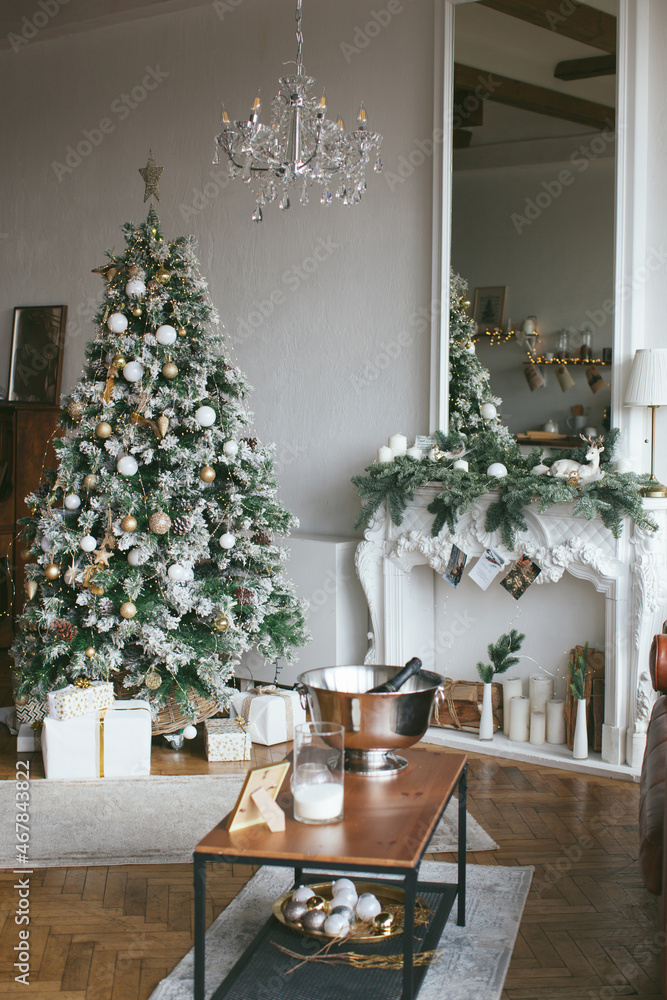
{"x":299,"y":38}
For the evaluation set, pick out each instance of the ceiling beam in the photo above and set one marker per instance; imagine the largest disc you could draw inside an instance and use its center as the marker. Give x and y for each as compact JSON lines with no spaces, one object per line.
{"x":530,"y":97}
{"x":584,"y":69}
{"x":572,"y":19}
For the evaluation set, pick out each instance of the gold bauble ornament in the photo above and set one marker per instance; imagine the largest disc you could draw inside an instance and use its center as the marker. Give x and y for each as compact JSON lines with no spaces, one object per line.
{"x":90,"y":651}
{"x":90,"y":481}
{"x":136,"y":310}
{"x":163,"y":275}
{"x":25,"y":554}
{"x":207,"y":474}
{"x":162,"y":425}
{"x":104,"y":429}
{"x":129,"y":523}
{"x":221,"y":623}
{"x":152,"y":680}
{"x":119,"y":360}
{"x":30,"y":588}
{"x":21,"y":700}
{"x":465,"y":303}
{"x":52,"y":571}
{"x":128,"y":610}
{"x":110,"y":273}
{"x":159,"y":522}
{"x":182,"y":331}
{"x":75,"y":409}
{"x":96,"y":590}
{"x":169,"y":370}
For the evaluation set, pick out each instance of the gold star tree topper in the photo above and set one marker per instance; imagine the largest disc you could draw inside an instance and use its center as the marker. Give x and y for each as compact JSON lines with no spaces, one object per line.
{"x":151,"y":174}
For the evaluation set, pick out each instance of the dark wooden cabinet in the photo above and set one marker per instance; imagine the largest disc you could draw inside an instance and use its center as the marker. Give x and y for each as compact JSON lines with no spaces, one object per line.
{"x":26,"y":430}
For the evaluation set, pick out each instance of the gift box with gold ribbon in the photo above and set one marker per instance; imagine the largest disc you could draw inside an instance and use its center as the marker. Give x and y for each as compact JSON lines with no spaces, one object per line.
{"x":76,"y":699}
{"x":111,"y":743}
{"x":272,"y":713}
{"x":227,"y":739}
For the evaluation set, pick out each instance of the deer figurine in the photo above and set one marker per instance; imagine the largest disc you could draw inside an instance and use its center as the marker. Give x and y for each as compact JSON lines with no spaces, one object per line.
{"x":566,"y":468}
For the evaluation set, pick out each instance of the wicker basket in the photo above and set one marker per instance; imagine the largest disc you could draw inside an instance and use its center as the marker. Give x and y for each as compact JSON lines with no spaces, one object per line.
{"x":171,"y":717}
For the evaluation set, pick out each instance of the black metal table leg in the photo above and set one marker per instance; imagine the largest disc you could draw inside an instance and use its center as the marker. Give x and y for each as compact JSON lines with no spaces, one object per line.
{"x":200,"y":925}
{"x":463,"y":787}
{"x":409,"y":903}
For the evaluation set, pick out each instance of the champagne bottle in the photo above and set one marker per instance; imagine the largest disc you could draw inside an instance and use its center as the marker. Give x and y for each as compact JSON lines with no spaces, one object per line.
{"x":410,"y":668}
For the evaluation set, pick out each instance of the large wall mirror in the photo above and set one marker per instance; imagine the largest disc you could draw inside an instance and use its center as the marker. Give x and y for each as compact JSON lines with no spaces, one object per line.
{"x":539,"y":199}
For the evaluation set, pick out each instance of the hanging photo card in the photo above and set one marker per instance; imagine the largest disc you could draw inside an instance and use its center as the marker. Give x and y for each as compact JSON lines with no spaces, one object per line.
{"x":487,"y":568}
{"x":520,"y":577}
{"x":455,"y":566}
{"x":424,"y":442}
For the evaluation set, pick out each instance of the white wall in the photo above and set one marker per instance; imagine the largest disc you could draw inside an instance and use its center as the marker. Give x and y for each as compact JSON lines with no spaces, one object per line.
{"x":552,"y":245}
{"x":326,"y":391}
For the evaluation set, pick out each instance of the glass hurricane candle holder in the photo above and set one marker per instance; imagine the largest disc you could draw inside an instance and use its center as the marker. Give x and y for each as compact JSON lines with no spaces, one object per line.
{"x":319,"y":769}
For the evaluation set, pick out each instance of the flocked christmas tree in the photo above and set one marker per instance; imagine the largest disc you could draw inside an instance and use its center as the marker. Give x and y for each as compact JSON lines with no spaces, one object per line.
{"x":154,"y":540}
{"x":473,"y":409}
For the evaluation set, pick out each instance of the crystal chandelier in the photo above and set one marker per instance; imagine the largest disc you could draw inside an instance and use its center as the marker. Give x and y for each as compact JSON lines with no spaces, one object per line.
{"x":300,"y":146}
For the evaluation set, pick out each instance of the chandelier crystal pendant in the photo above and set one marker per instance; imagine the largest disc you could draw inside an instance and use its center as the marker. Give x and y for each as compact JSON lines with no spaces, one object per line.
{"x":300,"y":146}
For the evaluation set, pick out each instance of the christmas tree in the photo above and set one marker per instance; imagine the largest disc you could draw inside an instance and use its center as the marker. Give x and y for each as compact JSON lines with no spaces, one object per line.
{"x":154,"y":540}
{"x":473,"y":409}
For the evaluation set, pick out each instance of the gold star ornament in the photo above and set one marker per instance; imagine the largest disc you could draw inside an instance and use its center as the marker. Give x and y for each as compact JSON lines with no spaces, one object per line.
{"x":151,"y":174}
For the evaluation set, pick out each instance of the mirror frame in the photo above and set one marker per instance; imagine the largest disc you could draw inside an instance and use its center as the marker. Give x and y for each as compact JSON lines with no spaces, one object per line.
{"x":630,"y":227}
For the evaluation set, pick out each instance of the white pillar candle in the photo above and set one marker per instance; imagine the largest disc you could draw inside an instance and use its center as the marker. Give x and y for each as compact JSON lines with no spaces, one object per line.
{"x":318,"y":802}
{"x":385,"y":454}
{"x":520,"y":720}
{"x":461,"y":465}
{"x":415,"y":452}
{"x":556,"y":721}
{"x":541,"y":691}
{"x":538,"y":726}
{"x":512,"y":688}
{"x":398,"y":444}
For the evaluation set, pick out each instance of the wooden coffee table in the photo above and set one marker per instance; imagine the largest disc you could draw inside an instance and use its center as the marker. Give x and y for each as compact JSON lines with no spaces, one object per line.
{"x":387,"y":825}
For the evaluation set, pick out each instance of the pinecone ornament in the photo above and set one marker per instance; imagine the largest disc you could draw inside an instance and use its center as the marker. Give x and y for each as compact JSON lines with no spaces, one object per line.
{"x":243,"y":596}
{"x":261,"y":538}
{"x":64,"y":629}
{"x":100,"y":370}
{"x":181,"y":525}
{"x":251,"y":442}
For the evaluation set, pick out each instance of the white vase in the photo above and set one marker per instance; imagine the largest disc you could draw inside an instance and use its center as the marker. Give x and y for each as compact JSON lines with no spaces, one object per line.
{"x":580,"y":747}
{"x":486,"y":721}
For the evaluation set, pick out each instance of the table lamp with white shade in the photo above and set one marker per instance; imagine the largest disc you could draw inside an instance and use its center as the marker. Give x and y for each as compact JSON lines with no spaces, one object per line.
{"x":647,"y":386}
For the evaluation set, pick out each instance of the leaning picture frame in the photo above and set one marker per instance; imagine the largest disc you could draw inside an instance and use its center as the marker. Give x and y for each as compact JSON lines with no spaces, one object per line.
{"x":489,"y":308}
{"x":38,"y":343}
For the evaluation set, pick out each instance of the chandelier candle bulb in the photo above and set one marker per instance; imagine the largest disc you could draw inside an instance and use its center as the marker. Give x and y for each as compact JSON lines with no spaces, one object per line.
{"x":537,"y":728}
{"x":398,"y":444}
{"x":541,"y":690}
{"x":520,"y":720}
{"x":385,"y":454}
{"x":556,"y":721}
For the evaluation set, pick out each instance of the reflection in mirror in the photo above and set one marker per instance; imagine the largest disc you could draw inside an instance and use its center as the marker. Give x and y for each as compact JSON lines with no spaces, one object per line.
{"x":533,"y":206}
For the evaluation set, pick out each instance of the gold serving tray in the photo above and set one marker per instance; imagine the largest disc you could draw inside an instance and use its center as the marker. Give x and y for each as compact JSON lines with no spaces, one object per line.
{"x":361,"y":932}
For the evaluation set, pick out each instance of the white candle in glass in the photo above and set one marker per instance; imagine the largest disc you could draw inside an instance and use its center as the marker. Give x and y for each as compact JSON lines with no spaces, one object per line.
{"x":319,"y":802}
{"x":512,"y":688}
{"x":461,"y":465}
{"x":415,"y":452}
{"x":520,"y":720}
{"x":556,"y":721}
{"x":538,"y":726}
{"x":398,"y":444}
{"x":385,"y":454}
{"x":541,"y":689}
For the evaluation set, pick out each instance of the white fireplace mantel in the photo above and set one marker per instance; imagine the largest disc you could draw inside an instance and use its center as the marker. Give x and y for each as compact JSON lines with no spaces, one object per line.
{"x":630,"y":571}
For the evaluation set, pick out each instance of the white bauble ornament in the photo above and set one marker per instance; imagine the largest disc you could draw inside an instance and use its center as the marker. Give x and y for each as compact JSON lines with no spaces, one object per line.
{"x":336,"y":925}
{"x":134,"y":557}
{"x":368,"y":906}
{"x":205,"y":416}
{"x":227,"y":541}
{"x":133,"y":371}
{"x":539,"y":470}
{"x":46,"y":544}
{"x":165,"y":335}
{"x":117,"y":323}
{"x":231,"y":449}
{"x":177,"y":573}
{"x":496,"y":469}
{"x":88,"y":543}
{"x":345,"y":897}
{"x":303,"y":893}
{"x":190,"y":732}
{"x":488,"y":411}
{"x":72,"y":501}
{"x":342,"y":883}
{"x":135,"y":286}
{"x":189,"y":573}
{"x":127,"y":465}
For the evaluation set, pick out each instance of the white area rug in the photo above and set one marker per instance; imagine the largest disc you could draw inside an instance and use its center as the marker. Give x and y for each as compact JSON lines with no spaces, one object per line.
{"x":475,"y":958}
{"x":158,"y":818}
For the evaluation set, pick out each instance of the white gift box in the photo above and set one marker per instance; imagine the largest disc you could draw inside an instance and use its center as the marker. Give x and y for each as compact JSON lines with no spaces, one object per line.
{"x":27,"y":739}
{"x":111,"y":743}
{"x":271,"y":713}
{"x":226,"y":740}
{"x":71,"y":701}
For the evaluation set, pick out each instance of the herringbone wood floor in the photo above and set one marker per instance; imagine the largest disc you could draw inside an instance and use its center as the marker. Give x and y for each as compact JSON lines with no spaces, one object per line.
{"x":589,"y":929}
